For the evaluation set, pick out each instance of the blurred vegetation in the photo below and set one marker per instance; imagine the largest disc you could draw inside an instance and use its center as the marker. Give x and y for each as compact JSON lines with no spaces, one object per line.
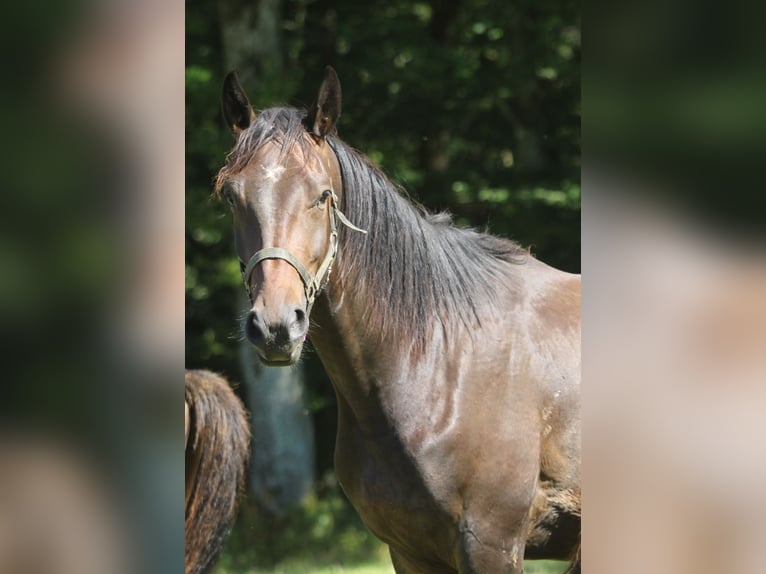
{"x":323,"y":531}
{"x":472,"y":106}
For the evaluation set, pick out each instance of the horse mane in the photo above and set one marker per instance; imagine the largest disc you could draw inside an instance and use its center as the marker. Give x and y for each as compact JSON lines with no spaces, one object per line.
{"x":413,"y":266}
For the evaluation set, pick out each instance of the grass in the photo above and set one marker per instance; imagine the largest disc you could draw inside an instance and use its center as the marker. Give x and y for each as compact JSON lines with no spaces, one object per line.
{"x":544,"y":567}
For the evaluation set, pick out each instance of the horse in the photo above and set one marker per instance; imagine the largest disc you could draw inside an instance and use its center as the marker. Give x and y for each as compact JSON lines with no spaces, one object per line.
{"x":454,"y":355}
{"x":217,"y":449}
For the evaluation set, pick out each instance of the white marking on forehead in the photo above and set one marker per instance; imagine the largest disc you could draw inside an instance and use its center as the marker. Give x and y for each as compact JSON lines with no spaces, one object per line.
{"x":273,"y":171}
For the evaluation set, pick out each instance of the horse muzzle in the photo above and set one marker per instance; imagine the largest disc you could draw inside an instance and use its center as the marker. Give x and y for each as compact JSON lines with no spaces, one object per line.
{"x":279,"y":342}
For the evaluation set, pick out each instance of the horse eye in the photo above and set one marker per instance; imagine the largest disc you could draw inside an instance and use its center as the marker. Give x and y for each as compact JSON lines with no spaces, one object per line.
{"x":228,"y":195}
{"x":326,"y":194}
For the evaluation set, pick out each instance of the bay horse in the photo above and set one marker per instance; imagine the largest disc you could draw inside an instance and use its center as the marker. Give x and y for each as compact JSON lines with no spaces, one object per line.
{"x":217,"y":444}
{"x":454,"y":355}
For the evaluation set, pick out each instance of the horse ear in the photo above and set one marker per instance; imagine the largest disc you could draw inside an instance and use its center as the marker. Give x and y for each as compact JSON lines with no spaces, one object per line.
{"x":325,"y":112}
{"x":237,"y":111}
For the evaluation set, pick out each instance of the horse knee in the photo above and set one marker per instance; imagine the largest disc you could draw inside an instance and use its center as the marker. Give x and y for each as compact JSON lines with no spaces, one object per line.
{"x":478,"y":557}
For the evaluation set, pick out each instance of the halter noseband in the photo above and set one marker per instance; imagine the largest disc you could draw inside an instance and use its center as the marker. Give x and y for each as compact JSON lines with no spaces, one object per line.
{"x":311,"y":285}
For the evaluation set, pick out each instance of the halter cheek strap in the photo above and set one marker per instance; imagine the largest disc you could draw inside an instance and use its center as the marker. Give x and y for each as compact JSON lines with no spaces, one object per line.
{"x":311,"y":285}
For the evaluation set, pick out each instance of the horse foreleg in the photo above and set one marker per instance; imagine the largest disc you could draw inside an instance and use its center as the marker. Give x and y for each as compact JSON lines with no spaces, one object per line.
{"x":478,"y":557}
{"x":575,"y":566}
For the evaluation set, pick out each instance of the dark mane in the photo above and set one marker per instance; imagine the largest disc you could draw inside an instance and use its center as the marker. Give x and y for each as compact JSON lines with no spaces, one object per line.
{"x":413,"y":266}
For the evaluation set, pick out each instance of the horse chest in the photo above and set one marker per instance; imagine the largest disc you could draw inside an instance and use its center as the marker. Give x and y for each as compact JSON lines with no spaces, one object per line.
{"x":392,"y":498}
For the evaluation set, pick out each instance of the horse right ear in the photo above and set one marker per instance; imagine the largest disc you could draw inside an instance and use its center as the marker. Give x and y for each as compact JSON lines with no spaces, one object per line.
{"x":237,"y":111}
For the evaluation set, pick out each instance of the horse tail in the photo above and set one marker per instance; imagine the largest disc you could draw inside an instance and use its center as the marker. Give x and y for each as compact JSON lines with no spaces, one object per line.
{"x":217,"y":452}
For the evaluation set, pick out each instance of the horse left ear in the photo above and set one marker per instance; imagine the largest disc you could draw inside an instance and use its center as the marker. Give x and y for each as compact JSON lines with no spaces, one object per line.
{"x":325,"y":112}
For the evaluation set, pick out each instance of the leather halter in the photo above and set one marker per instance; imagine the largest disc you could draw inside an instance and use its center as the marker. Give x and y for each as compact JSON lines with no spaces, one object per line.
{"x":311,"y":285}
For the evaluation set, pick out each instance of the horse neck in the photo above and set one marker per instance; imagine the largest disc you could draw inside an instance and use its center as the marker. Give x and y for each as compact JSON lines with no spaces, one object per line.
{"x":366,"y":366}
{"x":380,"y":322}
{"x":350,"y":353}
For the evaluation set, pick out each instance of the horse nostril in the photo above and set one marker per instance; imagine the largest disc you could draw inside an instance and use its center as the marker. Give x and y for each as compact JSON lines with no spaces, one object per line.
{"x":253,"y":330}
{"x":299,"y":324}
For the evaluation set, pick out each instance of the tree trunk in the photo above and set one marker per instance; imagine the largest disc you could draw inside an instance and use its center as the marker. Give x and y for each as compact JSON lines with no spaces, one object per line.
{"x":282,"y":463}
{"x":250,"y":37}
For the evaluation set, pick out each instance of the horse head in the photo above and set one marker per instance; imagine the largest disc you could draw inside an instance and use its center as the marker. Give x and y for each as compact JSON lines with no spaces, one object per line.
{"x":282,"y":182}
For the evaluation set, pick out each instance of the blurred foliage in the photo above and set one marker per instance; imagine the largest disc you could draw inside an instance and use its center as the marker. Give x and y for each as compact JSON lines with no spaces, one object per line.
{"x":472,"y":106}
{"x":323,"y":531}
